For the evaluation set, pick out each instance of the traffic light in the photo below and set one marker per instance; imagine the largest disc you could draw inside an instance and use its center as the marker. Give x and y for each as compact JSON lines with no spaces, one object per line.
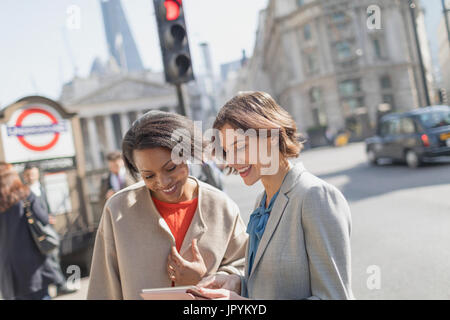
{"x":174,"y":42}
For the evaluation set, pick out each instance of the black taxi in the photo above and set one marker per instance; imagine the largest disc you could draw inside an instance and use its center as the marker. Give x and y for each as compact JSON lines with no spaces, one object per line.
{"x":417,"y":136}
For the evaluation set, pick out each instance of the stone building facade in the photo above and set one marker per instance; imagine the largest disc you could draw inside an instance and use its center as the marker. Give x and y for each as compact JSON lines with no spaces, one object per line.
{"x":330,"y":66}
{"x":107,"y":105}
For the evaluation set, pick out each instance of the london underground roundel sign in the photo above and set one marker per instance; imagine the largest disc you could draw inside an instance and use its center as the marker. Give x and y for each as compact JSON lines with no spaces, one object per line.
{"x":37,"y":132}
{"x":22,"y":131}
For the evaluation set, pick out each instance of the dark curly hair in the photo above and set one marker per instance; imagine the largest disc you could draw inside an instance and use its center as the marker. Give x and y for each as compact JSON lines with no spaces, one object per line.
{"x":154,"y":129}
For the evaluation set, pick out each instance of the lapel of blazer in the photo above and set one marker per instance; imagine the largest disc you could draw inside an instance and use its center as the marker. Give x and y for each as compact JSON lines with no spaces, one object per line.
{"x":198,"y":226}
{"x":277,"y":211}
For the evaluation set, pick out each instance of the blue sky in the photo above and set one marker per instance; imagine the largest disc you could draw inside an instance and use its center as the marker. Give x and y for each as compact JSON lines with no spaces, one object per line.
{"x":36,"y":45}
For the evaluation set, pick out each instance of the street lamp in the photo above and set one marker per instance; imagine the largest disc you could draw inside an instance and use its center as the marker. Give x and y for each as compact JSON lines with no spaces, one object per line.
{"x":445,"y":11}
{"x":412,"y":11}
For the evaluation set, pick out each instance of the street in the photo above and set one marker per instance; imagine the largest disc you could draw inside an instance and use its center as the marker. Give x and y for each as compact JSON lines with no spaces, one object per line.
{"x":400,"y":222}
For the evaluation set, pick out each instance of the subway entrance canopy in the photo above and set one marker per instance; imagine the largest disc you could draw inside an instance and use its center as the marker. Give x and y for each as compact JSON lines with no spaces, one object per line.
{"x":34,"y":129}
{"x":39,"y":130}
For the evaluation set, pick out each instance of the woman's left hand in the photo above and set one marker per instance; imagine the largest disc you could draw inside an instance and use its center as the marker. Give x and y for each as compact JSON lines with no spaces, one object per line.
{"x":184,"y":272}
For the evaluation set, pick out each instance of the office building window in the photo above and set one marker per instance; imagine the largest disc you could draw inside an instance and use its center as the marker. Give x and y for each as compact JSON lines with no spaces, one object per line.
{"x":307,"y":32}
{"x":311,"y":62}
{"x":317,"y":107}
{"x":349,"y":87}
{"x":319,"y":116}
{"x":343,"y":50}
{"x":378,"y":48}
{"x":351,"y":104}
{"x":341,"y":26}
{"x":338,"y":17}
{"x":389,"y":99}
{"x":385,"y":82}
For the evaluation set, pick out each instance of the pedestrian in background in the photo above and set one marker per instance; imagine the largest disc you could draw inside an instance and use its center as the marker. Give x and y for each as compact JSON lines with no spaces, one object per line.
{"x":117,"y":177}
{"x":169,"y":228}
{"x":25,"y":272}
{"x":209,"y":172}
{"x":299,"y":232}
{"x":31,"y":177}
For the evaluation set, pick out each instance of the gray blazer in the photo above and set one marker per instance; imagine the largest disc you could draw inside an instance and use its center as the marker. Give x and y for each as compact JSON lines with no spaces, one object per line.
{"x":304,"y":252}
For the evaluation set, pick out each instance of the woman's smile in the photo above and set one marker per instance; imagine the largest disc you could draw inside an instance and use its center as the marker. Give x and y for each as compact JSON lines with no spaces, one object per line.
{"x":171,"y":190}
{"x":245,"y":171}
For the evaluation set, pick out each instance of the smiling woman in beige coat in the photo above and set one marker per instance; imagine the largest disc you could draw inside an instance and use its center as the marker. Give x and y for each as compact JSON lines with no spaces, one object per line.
{"x":168,"y":229}
{"x":299,"y":233}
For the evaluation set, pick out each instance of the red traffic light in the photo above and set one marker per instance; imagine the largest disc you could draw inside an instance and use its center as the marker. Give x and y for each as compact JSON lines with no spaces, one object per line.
{"x":173,"y":8}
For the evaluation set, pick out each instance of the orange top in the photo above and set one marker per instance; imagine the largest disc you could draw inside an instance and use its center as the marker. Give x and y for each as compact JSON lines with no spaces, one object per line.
{"x":178,"y":216}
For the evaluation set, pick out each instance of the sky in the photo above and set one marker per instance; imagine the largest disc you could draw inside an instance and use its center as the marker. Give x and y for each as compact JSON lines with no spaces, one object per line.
{"x":39,"y":51}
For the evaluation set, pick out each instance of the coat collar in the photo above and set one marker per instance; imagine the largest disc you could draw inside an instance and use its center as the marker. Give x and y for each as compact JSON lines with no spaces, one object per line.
{"x":292,"y":177}
{"x":197,"y":227}
{"x":278,"y":209}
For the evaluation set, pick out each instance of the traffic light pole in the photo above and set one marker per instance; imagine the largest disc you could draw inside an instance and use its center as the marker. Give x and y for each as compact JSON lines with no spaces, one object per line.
{"x":181,"y":103}
{"x":174,"y":48}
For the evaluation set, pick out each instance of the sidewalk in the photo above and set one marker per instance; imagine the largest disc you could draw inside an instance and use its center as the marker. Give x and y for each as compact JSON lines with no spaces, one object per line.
{"x":80,"y":294}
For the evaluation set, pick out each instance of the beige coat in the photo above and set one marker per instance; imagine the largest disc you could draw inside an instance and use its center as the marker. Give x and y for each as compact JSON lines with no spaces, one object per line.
{"x":133,"y":241}
{"x":304,"y":252}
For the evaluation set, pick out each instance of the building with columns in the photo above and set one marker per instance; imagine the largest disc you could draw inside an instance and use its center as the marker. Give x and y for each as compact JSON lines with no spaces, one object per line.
{"x":108,"y":103}
{"x":331,"y":65}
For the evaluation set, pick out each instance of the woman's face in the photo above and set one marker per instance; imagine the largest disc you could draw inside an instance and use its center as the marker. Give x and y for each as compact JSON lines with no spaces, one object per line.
{"x":248,"y":154}
{"x":165,"y":179}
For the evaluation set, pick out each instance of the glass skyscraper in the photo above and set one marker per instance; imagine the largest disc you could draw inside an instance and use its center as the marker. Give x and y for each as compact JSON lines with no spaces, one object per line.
{"x":120,"y":41}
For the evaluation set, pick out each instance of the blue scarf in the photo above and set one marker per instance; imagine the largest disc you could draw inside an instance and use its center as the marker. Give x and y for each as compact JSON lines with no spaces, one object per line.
{"x":257,"y":225}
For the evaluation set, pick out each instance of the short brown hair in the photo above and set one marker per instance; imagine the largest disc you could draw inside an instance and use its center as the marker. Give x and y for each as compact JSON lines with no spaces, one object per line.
{"x":154,"y":129}
{"x":113,"y":156}
{"x":258,"y":110}
{"x":12,"y":190}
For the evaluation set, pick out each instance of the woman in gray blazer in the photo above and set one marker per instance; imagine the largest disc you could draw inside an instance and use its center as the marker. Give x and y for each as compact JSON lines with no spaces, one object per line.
{"x":299,"y":233}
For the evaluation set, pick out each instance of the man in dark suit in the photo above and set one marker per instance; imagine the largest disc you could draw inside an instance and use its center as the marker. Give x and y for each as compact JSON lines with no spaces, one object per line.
{"x":116,"y":179}
{"x":31,"y":178}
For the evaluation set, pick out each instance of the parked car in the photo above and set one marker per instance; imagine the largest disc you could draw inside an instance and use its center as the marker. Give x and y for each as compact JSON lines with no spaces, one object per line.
{"x":417,"y":136}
